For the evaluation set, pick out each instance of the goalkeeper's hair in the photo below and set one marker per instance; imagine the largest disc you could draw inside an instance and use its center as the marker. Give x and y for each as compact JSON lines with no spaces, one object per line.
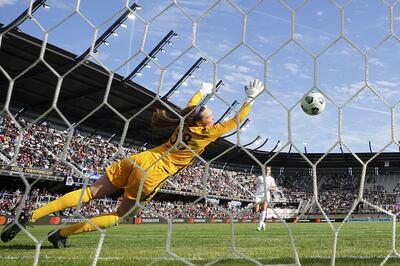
{"x":161,"y":119}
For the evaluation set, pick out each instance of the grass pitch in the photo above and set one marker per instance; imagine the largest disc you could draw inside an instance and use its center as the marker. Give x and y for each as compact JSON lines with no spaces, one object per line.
{"x":358,"y":244}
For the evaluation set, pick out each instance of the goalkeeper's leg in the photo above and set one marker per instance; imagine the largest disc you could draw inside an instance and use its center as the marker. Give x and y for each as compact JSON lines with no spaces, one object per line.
{"x":126,"y":209}
{"x":99,"y":189}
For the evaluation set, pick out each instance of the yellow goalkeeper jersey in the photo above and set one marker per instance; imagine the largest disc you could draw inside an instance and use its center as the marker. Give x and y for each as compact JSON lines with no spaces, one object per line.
{"x":196,"y":139}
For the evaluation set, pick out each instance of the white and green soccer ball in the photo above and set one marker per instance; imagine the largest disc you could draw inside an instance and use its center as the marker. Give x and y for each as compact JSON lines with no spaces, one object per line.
{"x":313,"y":103}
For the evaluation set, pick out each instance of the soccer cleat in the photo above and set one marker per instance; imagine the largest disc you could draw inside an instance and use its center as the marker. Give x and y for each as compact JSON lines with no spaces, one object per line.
{"x":12,"y":228}
{"x":56,"y":240}
{"x":261,"y":228}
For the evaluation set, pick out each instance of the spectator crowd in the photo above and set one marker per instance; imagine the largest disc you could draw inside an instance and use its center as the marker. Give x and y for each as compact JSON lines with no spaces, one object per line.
{"x":10,"y":200}
{"x":41,"y":147}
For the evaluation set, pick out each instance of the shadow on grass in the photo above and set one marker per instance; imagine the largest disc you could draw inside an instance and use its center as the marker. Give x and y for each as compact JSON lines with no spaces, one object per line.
{"x":347,"y":261}
{"x":310,"y":261}
{"x":23,"y":247}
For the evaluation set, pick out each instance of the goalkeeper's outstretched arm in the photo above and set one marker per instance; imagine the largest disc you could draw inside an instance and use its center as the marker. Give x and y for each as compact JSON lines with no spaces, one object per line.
{"x":205,"y":89}
{"x":252,"y":91}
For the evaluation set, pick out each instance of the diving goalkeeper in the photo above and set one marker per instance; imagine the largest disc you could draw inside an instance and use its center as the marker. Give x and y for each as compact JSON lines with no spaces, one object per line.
{"x":155,"y":166}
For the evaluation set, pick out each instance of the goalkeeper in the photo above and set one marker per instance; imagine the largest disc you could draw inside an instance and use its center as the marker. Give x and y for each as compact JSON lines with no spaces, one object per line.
{"x":155,"y":165}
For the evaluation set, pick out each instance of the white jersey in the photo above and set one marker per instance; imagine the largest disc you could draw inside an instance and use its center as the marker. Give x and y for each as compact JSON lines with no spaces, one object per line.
{"x":261,"y":194}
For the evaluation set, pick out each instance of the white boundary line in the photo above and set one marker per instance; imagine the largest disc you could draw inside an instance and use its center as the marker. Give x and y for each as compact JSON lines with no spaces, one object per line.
{"x":190,"y":259}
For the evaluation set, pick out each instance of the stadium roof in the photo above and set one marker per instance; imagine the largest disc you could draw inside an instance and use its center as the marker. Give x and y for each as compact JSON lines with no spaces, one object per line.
{"x":83,"y":90}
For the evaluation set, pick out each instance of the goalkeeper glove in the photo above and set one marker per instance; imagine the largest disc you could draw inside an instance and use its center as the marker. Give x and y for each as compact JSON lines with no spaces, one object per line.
{"x":254,"y":89}
{"x":206,"y":88}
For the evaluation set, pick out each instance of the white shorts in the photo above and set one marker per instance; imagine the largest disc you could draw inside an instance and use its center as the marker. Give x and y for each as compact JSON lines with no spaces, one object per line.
{"x":260,"y":197}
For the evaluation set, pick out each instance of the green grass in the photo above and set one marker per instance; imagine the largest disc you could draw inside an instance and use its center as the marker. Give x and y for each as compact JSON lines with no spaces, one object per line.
{"x":203,"y":243}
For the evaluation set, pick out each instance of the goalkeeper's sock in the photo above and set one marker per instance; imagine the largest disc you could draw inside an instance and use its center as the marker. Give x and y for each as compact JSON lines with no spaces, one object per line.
{"x":262,"y":217}
{"x":102,"y":221}
{"x":70,"y":199}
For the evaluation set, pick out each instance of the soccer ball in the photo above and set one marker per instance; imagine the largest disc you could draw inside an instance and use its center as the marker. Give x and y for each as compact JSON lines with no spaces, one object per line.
{"x":313,"y":103}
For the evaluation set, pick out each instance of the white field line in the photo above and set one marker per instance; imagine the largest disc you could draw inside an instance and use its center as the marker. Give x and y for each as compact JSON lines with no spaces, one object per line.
{"x":169,"y":258}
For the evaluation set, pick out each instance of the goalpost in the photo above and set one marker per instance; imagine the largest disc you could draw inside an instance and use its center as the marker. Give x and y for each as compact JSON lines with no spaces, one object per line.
{"x":100,"y":39}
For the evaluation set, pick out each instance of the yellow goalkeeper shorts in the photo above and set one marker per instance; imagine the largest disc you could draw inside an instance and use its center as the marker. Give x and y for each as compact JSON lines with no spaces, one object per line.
{"x":127,"y":174}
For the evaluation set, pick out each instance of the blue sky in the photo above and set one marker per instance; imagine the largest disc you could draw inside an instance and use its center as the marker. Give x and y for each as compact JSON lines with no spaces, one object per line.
{"x":339,"y":72}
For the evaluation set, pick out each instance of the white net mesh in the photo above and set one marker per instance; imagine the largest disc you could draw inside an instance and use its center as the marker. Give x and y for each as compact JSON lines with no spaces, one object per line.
{"x":229,"y":36}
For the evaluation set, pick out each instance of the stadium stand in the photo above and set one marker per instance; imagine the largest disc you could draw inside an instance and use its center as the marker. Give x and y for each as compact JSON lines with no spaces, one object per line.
{"x":41,"y":142}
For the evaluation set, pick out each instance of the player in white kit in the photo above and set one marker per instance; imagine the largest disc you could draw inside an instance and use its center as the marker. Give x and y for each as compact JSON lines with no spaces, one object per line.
{"x":263,"y":188}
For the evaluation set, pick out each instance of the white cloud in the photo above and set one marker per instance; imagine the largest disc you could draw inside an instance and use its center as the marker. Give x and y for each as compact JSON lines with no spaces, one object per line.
{"x":7,"y":2}
{"x":269,"y":102}
{"x":369,"y":109}
{"x":228,"y":66}
{"x":237,"y":77}
{"x":319,"y":13}
{"x":386,"y":83}
{"x":251,"y":60}
{"x":243,"y":69}
{"x":62,"y":4}
{"x":196,"y":82}
{"x":255,"y":63}
{"x":376,"y":62}
{"x":342,"y":49}
{"x":346,"y":51}
{"x":323,"y":38}
{"x":304,"y":76}
{"x":175,"y":75}
{"x":175,"y":53}
{"x":263,"y":40}
{"x":224,"y":47}
{"x":292,"y":67}
{"x":298,"y":36}
{"x":341,"y":93}
{"x":388,"y":90}
{"x":273,"y":81}
{"x":233,"y":67}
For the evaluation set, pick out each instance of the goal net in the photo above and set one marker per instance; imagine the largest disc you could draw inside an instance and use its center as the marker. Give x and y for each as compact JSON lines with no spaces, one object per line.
{"x":80,"y":80}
